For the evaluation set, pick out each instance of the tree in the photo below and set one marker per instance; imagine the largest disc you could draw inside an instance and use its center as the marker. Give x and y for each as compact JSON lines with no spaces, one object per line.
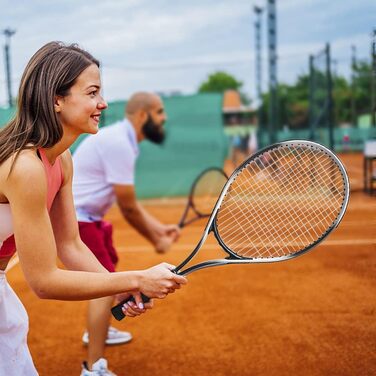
{"x":293,"y":100}
{"x":292,"y":104}
{"x":342,"y":100}
{"x":362,"y":87}
{"x":219,"y":82}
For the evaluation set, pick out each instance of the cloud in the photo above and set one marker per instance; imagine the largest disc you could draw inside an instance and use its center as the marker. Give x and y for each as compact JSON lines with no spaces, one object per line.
{"x":151,"y":27}
{"x":175,"y":44}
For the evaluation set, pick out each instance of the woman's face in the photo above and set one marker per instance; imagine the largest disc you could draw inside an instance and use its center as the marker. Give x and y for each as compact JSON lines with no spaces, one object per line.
{"x":80,"y":110}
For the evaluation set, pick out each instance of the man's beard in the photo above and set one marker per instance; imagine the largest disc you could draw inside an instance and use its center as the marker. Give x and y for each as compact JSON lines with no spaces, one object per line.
{"x":153,"y":132}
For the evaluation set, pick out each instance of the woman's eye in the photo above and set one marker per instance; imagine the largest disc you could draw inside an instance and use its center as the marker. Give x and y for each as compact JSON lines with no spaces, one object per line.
{"x":93,"y":93}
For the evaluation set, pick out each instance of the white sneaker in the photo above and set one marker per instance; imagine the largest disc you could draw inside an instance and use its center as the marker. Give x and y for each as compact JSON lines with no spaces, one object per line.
{"x":99,"y":369}
{"x":114,"y":337}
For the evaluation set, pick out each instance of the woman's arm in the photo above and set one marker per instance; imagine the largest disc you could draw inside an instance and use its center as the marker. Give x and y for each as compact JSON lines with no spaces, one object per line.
{"x":26,"y":190}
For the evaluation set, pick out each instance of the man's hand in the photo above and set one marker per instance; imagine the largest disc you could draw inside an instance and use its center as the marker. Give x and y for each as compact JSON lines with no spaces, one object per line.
{"x":164,"y":243}
{"x":170,"y":234}
{"x":173,"y":231}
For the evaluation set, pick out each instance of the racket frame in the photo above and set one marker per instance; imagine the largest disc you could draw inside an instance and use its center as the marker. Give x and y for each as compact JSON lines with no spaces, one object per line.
{"x":234,"y":258}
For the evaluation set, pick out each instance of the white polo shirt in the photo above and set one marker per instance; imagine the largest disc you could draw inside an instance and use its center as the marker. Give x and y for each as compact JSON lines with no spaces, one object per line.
{"x":101,"y":160}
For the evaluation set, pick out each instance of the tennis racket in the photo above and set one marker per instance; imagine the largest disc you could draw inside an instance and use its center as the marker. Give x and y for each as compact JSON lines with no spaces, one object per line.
{"x":277,"y":205}
{"x":203,"y":195}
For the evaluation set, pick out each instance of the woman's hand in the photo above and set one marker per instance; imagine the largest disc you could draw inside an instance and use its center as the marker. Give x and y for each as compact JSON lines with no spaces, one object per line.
{"x":158,"y":281}
{"x":135,"y":306}
{"x":155,"y":282}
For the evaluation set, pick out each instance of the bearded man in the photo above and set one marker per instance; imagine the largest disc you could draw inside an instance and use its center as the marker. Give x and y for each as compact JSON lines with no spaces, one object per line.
{"x":104,"y":173}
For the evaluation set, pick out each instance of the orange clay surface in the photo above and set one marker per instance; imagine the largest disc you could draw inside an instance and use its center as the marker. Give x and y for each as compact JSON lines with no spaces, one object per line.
{"x":313,"y":315}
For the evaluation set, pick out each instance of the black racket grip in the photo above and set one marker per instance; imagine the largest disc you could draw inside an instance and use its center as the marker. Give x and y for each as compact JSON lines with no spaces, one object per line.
{"x":117,"y":312}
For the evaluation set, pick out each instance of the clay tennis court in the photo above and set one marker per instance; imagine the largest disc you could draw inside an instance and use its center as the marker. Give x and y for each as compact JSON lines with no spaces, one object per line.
{"x":314,"y":315}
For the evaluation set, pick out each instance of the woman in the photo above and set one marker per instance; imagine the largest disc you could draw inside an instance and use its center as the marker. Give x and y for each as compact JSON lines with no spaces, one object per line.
{"x":59,"y":99}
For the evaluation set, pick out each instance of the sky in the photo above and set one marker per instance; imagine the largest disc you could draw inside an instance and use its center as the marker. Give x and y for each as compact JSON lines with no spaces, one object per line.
{"x":173,"y":45}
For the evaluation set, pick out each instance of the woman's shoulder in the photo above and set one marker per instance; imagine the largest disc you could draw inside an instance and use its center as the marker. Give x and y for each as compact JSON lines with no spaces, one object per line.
{"x":26,"y":161}
{"x":22,"y":172}
{"x":26,"y":165}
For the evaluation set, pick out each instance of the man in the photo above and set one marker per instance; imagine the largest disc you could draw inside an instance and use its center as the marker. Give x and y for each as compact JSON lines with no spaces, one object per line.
{"x":104,"y":171}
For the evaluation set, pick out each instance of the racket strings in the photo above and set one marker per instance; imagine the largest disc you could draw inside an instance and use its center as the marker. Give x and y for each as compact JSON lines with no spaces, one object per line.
{"x":281,"y":202}
{"x":299,"y":224}
{"x":256,"y":229}
{"x":273,"y":234}
{"x":282,"y":217}
{"x":297,"y":200}
{"x":293,"y":175}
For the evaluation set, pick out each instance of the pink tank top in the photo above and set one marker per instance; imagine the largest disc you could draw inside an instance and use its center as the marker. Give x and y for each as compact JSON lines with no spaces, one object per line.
{"x":54,"y":174}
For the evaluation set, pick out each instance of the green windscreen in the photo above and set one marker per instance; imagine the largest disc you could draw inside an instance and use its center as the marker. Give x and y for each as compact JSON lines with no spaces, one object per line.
{"x":195,"y":141}
{"x":6,"y":114}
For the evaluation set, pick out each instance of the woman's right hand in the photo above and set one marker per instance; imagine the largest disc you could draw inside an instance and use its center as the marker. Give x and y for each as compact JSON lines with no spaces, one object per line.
{"x":158,"y":281}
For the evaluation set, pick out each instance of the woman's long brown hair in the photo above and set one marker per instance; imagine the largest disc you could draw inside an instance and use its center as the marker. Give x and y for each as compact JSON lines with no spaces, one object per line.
{"x":51,"y":72}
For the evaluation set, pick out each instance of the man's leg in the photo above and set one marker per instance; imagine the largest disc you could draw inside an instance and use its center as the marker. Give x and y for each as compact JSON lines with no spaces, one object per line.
{"x":98,"y":321}
{"x":95,"y":236}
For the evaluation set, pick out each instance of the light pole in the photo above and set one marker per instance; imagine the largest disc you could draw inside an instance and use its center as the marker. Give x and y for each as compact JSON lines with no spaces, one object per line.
{"x":8,"y":33}
{"x":258,"y":12}
{"x":373,"y":79}
{"x":353,"y":87}
{"x":329,"y":117}
{"x":273,"y":85}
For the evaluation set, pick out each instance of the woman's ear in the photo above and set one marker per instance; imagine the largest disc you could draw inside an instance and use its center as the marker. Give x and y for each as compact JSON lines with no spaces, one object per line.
{"x":58,"y":103}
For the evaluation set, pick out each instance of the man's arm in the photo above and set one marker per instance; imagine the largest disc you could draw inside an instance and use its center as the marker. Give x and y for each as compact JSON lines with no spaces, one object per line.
{"x":160,"y":235}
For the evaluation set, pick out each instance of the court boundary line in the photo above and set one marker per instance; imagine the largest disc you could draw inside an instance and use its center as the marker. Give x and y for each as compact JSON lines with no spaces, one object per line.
{"x":187,"y":247}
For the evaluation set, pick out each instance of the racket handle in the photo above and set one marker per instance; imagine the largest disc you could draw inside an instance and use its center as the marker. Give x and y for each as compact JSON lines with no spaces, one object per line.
{"x":117,"y":311}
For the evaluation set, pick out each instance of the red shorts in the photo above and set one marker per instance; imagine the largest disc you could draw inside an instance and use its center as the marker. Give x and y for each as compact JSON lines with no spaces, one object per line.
{"x":98,"y":237}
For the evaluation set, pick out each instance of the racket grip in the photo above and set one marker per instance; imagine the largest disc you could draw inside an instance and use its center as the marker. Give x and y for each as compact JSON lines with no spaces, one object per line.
{"x":117,"y":311}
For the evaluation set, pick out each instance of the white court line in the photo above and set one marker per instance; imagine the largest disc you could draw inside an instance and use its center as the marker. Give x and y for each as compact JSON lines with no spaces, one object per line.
{"x":187,"y":247}
{"x":168,"y":201}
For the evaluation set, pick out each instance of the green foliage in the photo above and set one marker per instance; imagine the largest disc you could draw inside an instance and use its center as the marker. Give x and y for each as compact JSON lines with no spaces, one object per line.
{"x":293,"y":100}
{"x":362,"y":87}
{"x":293,"y":105}
{"x":218,"y":82}
{"x":342,"y":100}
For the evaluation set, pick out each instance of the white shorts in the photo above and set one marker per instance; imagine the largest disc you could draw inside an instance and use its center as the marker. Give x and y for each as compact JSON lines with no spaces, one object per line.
{"x":15,"y":358}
